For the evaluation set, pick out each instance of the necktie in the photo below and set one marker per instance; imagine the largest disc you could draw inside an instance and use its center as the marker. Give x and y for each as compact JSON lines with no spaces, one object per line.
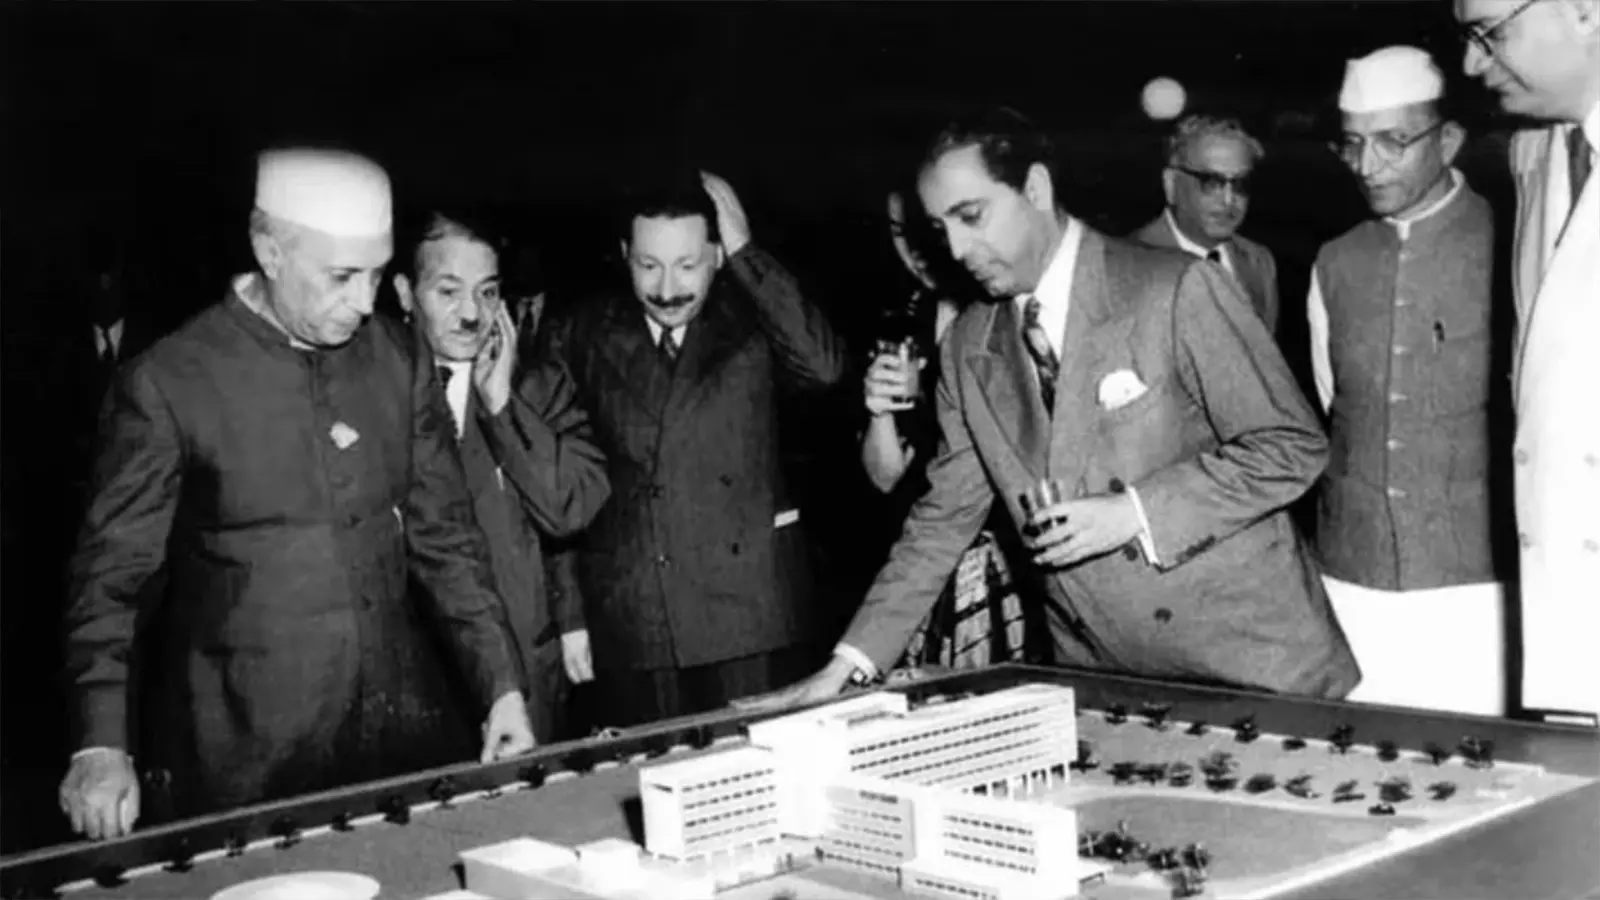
{"x":1045,"y":363}
{"x":668,"y":346}
{"x":1215,"y":255}
{"x":1579,"y":162}
{"x":445,"y":374}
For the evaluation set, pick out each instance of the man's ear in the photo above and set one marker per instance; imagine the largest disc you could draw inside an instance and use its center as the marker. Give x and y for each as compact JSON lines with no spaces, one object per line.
{"x":402,"y":291}
{"x":268,"y":253}
{"x":720,"y":255}
{"x":1452,"y":137}
{"x":1040,"y":189}
{"x":1169,"y":184}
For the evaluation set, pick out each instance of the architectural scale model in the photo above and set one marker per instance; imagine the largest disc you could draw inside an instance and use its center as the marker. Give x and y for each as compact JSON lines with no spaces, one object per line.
{"x":926,"y":798}
{"x":1019,"y":794}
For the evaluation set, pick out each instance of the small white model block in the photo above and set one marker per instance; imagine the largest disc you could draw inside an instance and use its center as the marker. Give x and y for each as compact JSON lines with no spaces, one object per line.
{"x":949,"y":878}
{"x":514,"y":868}
{"x":509,"y":872}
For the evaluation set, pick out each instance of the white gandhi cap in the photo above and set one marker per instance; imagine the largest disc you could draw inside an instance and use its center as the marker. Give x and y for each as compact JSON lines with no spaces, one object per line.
{"x":335,"y":192}
{"x":1389,"y":79}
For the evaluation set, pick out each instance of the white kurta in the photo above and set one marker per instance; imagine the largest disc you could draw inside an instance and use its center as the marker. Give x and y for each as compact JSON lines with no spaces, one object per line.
{"x":1557,"y":451}
{"x":1464,"y":673}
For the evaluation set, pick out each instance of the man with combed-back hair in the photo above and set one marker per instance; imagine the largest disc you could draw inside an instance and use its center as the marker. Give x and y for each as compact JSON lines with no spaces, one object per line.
{"x":1207,"y":178}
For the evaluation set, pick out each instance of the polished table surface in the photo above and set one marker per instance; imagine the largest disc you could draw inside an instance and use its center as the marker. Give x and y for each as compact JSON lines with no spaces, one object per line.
{"x":1549,"y":850}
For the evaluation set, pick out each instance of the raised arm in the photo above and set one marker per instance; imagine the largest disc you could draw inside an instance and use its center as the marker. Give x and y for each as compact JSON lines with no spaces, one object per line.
{"x":544,"y":446}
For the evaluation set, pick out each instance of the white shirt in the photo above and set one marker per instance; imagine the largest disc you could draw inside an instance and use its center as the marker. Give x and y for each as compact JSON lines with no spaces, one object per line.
{"x":1189,"y":246}
{"x":457,"y":391}
{"x":656,"y":329}
{"x":1317,"y":308}
{"x":108,"y":337}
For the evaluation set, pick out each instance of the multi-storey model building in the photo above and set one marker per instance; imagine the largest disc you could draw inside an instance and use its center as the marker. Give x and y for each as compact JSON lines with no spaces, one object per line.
{"x":886,"y":789}
{"x":931,"y":798}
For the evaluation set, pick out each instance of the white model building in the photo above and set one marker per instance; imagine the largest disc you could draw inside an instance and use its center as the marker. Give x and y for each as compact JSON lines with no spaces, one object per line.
{"x":917,"y":833}
{"x":710,"y":804}
{"x":909,"y":795}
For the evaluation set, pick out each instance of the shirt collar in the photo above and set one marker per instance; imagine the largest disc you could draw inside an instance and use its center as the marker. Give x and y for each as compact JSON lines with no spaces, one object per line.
{"x":1591,"y":128}
{"x":656,"y":329}
{"x":1188,"y":245}
{"x":1404,"y":225}
{"x":1055,"y":285}
{"x":249,"y":290}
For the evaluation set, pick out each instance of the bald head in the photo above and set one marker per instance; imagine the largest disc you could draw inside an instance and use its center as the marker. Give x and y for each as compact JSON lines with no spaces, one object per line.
{"x":1542,"y":57}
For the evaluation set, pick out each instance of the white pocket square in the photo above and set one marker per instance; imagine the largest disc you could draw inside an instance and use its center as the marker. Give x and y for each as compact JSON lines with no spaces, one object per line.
{"x":1120,"y":388}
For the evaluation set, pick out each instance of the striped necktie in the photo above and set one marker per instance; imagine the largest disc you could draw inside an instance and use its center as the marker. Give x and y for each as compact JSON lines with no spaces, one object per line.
{"x":668,"y":347}
{"x":1045,"y":363}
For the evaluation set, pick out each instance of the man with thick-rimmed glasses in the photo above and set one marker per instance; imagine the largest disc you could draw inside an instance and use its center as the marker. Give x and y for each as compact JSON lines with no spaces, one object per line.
{"x":1210,"y":161}
{"x":1543,"y":61}
{"x":1405,"y":359}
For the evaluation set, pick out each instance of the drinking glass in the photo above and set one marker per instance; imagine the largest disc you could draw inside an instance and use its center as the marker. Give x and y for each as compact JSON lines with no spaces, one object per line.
{"x":1035,"y":500}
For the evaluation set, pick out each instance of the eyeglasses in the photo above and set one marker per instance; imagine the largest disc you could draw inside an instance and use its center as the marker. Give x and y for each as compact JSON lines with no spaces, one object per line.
{"x":1389,"y":148}
{"x":1488,"y":38}
{"x":1215,"y":182}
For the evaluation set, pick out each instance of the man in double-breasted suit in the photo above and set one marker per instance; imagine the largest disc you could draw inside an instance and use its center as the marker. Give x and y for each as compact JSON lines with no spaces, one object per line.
{"x":1543,"y":61}
{"x":1207,"y":186}
{"x":693,"y":578}
{"x":1143,"y":384}
{"x":526,"y":447}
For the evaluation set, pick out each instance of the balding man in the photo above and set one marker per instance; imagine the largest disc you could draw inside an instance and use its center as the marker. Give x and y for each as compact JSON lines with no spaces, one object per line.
{"x":1542,"y":58}
{"x":289,"y":462}
{"x":1207,"y":185}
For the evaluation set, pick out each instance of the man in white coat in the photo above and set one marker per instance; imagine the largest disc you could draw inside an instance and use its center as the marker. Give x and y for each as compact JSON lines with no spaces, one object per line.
{"x":1542,"y":57}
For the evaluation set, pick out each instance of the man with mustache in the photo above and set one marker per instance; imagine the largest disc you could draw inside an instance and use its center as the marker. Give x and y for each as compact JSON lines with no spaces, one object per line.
{"x":291,"y":463}
{"x":1542,"y":59}
{"x":1207,"y":185}
{"x":1410,"y":366}
{"x":1140,"y":383}
{"x":694,"y":578}
{"x":526,"y":446}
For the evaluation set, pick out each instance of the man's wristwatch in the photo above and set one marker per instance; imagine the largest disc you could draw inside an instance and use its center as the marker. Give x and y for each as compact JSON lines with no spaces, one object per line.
{"x":860,"y":677}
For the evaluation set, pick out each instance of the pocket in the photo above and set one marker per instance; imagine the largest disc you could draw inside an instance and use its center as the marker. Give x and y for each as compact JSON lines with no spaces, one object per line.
{"x":1152,"y":398}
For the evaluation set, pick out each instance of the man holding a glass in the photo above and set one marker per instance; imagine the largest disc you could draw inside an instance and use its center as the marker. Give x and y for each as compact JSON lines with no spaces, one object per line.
{"x":1133,"y":395}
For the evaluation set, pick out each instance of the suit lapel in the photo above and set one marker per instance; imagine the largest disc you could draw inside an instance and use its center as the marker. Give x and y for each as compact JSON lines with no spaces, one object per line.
{"x":632,"y":354}
{"x":1074,"y":420}
{"x":1001,"y":367}
{"x":709,"y":340}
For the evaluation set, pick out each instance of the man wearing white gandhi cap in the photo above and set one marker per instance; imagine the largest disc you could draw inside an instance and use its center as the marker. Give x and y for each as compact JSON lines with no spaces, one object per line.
{"x":291,"y":466}
{"x":1411,"y":510}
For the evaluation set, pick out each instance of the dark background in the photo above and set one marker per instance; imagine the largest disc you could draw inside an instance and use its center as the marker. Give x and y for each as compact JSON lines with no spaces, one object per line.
{"x":133,"y":126}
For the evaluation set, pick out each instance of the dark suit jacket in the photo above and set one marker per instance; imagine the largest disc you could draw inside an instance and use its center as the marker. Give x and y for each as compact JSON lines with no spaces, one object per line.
{"x":687,"y":565}
{"x":1257,"y":271}
{"x":534,"y":473}
{"x":1216,"y":446}
{"x":297,"y":660}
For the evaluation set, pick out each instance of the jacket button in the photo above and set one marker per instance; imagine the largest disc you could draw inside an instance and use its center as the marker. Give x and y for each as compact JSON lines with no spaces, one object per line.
{"x":1117,"y":486}
{"x":735,"y":548}
{"x":727,"y":480}
{"x":662,"y":560}
{"x":1395,"y":443}
{"x":1130,"y":553}
{"x":1396,"y":493}
{"x":1524,"y":539}
{"x":1590,"y":546}
{"x":656,"y":492}
{"x":1521,"y":456}
{"x":1163,"y":615}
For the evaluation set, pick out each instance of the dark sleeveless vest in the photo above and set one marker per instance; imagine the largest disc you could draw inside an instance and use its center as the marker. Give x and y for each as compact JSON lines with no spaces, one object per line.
{"x":1406,"y":501}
